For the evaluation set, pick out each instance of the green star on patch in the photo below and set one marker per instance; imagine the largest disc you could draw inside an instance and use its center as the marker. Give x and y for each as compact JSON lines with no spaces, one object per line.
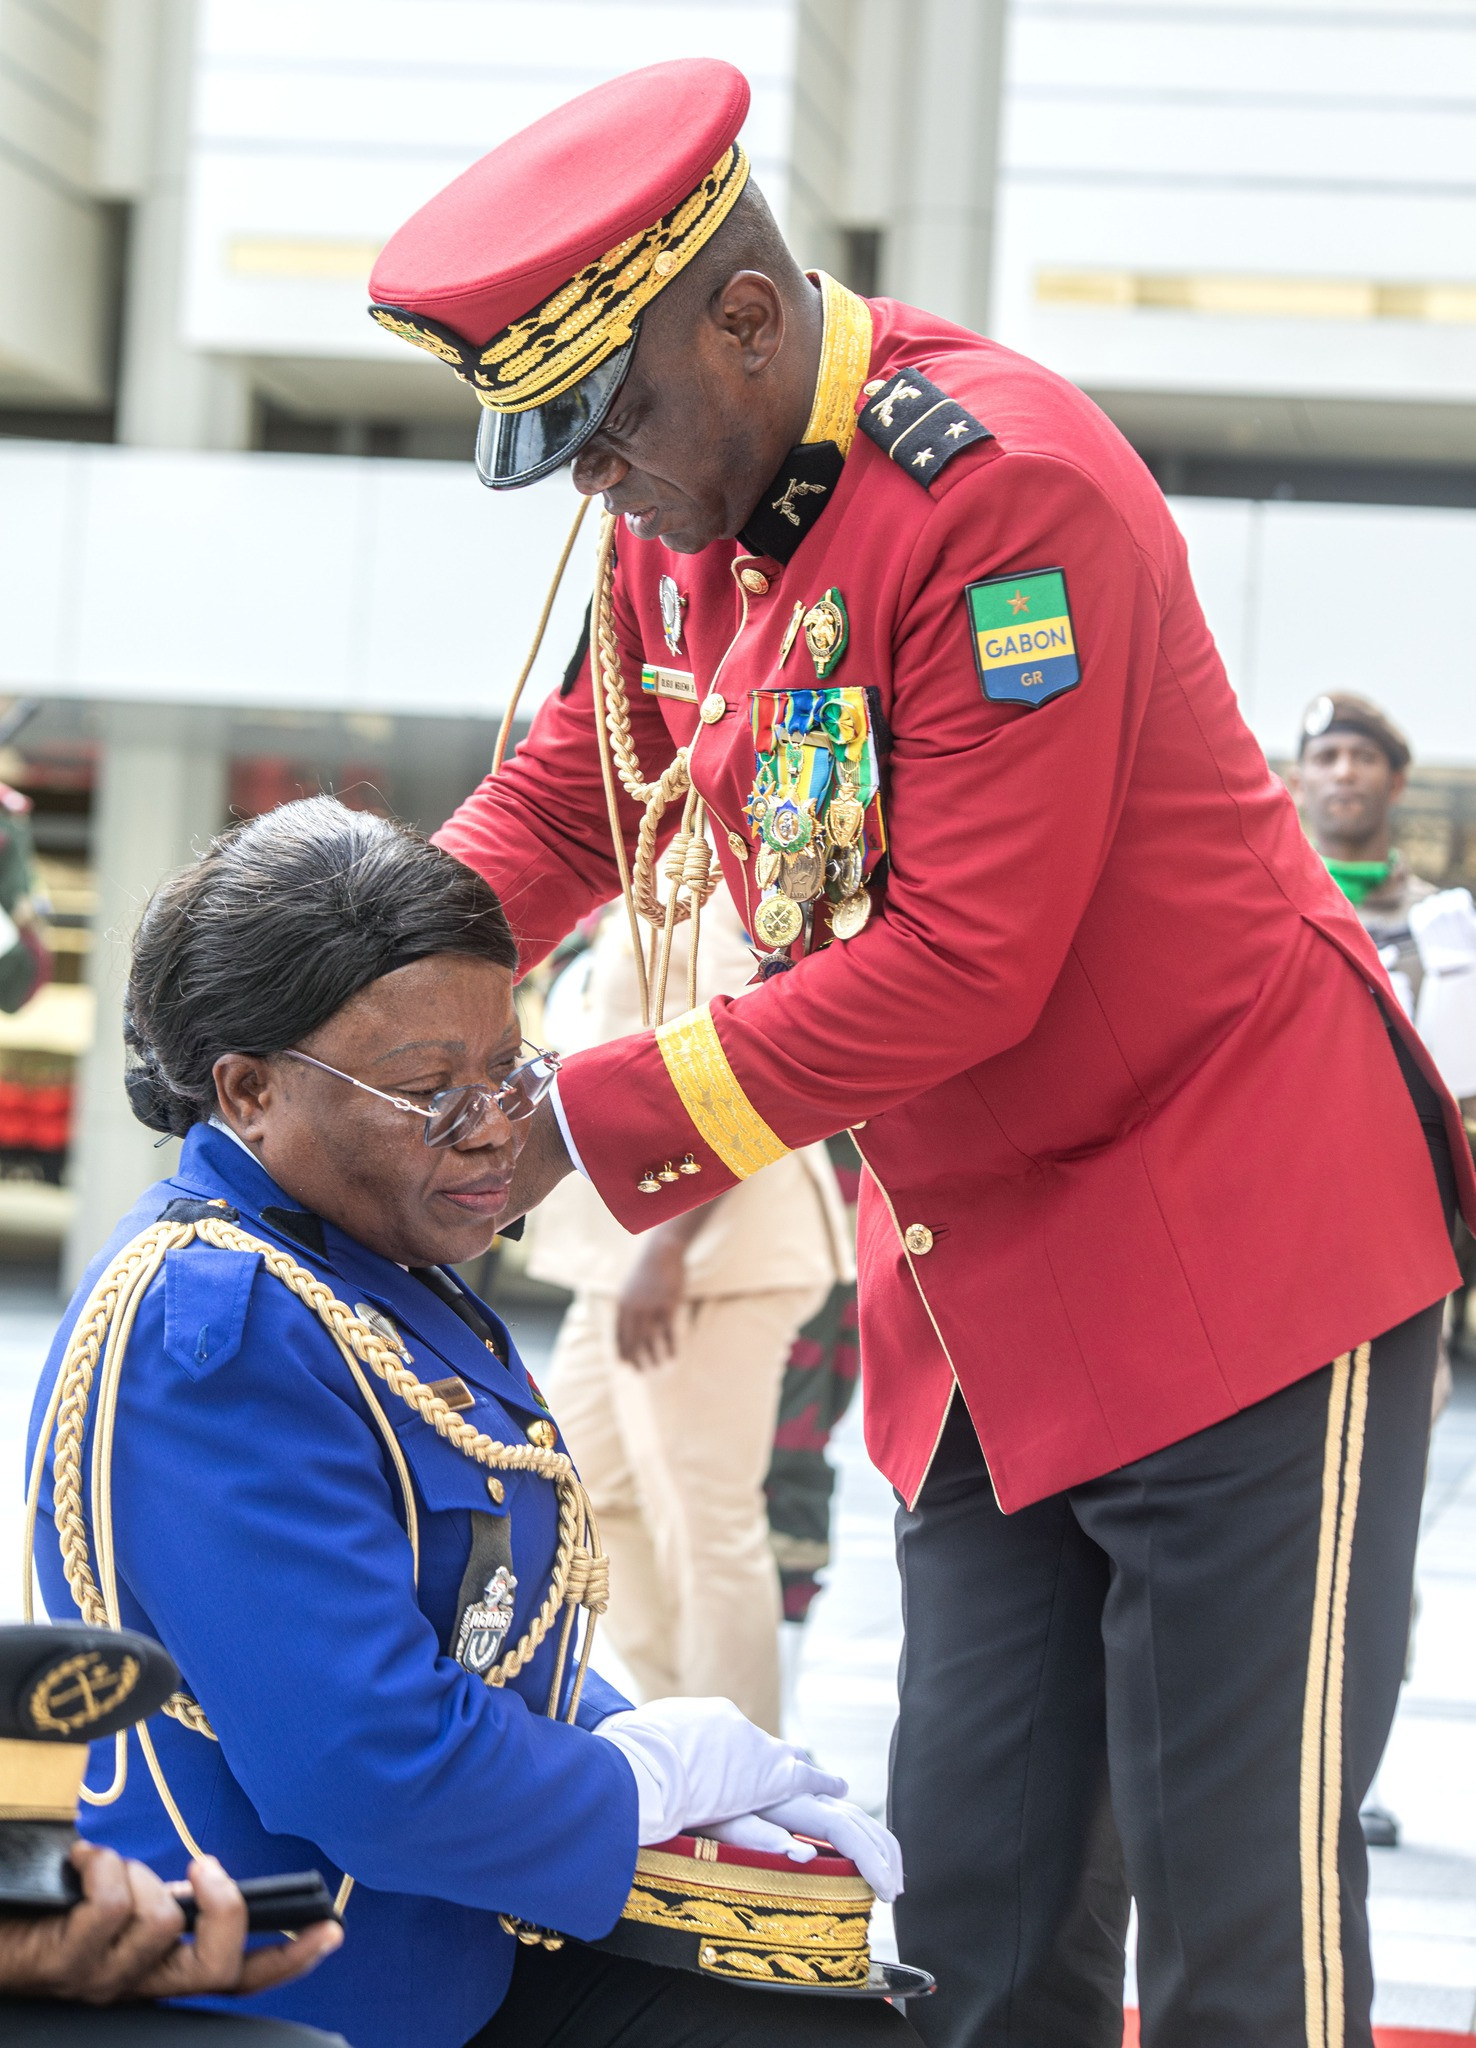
{"x":1024,"y":641}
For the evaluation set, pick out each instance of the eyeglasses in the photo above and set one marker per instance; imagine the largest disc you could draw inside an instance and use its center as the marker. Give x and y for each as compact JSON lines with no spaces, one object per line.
{"x":455,"y":1114}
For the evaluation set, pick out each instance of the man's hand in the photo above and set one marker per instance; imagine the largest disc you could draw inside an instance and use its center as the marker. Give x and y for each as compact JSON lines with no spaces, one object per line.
{"x":650,"y":1301}
{"x":542,"y":1163}
{"x":124,"y":1940}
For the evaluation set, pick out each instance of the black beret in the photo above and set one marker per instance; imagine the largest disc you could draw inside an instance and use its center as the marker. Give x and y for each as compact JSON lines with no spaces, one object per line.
{"x":68,"y":1683}
{"x":1341,"y":711}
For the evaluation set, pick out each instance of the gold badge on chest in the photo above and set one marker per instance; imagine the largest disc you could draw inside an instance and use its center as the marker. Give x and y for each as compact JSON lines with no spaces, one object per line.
{"x":673,"y":604}
{"x":827,"y":629}
{"x":815,"y":807}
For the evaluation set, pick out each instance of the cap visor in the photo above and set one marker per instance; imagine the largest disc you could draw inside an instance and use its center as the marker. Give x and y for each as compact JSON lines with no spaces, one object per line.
{"x":517,"y":448}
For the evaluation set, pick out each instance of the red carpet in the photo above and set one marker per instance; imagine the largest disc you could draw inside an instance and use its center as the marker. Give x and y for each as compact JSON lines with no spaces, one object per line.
{"x":1385,"y":2037}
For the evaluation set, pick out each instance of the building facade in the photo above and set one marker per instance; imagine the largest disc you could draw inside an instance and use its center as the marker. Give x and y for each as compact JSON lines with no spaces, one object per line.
{"x":243,"y":551}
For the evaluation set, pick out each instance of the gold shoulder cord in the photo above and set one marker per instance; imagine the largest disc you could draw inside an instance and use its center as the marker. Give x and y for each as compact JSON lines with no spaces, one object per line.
{"x":581,"y":1571}
{"x":845,"y":355}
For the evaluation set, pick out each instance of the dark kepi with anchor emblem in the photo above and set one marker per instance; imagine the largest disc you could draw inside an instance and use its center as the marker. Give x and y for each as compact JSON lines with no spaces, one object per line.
{"x":61,"y":1689}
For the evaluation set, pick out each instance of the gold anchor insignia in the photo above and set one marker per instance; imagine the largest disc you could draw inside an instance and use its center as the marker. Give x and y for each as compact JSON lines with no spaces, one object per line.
{"x":795,"y":488}
{"x":897,"y":397}
{"x":74,"y":1694}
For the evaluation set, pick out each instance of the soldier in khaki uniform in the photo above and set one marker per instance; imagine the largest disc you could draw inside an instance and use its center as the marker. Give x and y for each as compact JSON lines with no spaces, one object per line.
{"x":668,"y":1366}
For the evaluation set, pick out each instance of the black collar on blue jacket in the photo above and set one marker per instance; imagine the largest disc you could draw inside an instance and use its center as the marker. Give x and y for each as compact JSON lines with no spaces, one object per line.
{"x":212,"y":1164}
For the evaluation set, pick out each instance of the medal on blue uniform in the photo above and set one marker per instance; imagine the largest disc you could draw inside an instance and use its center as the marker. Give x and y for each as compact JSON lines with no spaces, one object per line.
{"x":486,"y":1622}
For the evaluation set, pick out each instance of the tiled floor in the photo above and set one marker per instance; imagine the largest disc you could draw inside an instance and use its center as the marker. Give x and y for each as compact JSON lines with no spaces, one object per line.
{"x":1423,"y":1895}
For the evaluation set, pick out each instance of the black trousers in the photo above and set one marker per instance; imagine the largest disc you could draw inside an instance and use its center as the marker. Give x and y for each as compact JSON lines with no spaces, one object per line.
{"x":578,"y":1997}
{"x":1174,"y":1682}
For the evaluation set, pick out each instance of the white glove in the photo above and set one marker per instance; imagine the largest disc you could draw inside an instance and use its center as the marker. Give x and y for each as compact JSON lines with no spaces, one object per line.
{"x":875,"y":1852}
{"x":697,"y":1762}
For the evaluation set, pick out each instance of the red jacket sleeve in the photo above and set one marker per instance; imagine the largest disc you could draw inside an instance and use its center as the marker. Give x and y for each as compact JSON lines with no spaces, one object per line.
{"x":999,"y":821}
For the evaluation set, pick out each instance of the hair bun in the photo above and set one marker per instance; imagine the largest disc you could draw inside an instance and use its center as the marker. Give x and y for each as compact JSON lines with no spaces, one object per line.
{"x":151,"y":1096}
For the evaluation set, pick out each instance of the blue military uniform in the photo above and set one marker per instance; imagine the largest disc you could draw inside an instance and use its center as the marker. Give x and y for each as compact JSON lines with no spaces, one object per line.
{"x":260,"y":1534}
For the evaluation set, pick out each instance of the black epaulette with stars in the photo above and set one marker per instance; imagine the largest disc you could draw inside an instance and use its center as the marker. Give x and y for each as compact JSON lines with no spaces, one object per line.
{"x":920,"y":427}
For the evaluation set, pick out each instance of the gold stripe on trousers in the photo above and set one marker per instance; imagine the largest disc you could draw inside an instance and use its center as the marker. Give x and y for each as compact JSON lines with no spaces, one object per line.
{"x":1322,"y":1707}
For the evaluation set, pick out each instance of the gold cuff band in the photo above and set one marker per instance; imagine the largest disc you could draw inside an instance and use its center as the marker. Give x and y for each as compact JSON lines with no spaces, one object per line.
{"x":712,"y":1098}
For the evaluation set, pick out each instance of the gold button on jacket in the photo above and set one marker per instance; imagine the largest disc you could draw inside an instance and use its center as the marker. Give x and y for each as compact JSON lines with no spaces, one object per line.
{"x":918,"y":1238}
{"x":543,"y":1434}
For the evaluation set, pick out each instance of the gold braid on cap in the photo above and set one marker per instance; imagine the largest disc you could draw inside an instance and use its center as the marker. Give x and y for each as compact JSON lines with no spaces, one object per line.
{"x":550,"y":349}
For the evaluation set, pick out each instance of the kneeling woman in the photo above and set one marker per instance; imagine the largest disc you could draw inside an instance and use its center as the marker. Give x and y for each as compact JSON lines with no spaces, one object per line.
{"x":310,"y":1463}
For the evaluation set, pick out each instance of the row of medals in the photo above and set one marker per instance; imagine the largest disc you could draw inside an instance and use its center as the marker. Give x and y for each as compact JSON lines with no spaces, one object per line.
{"x":804,"y":856}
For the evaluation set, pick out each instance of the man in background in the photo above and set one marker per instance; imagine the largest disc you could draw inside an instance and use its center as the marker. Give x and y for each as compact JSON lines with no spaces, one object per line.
{"x":1352,"y":768}
{"x":667,"y":1369}
{"x":820,"y":1379}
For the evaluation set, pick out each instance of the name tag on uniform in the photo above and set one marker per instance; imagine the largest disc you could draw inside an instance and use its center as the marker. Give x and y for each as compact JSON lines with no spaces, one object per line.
{"x":454,"y":1392}
{"x":1024,"y":642}
{"x":669,"y":682}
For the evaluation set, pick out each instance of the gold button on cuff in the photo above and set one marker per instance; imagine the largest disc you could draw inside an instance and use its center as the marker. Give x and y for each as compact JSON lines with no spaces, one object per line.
{"x":754,"y":581}
{"x":918,"y":1238}
{"x":738,"y":844}
{"x":543,"y":1434}
{"x":648,"y":1184}
{"x":497,"y":1490}
{"x":713,"y":707}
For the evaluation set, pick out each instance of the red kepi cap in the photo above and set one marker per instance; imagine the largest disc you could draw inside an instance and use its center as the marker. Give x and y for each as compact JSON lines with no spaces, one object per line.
{"x":528,"y":273}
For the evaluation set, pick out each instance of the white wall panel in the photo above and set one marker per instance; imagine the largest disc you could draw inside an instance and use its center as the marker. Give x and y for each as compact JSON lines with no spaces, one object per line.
{"x":332,"y":584}
{"x":54,"y":313}
{"x":332,"y":122}
{"x":1305,"y":598}
{"x":39,"y":489}
{"x":1279,"y":47}
{"x":1381,"y":601}
{"x":303,"y":581}
{"x":1311,"y":139}
{"x":1206,"y":137}
{"x":454,"y":576}
{"x":1220,"y":534}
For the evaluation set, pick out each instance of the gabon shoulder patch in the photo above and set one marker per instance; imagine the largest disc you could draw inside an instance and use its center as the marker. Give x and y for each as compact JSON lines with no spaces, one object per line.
{"x":1024,"y":641}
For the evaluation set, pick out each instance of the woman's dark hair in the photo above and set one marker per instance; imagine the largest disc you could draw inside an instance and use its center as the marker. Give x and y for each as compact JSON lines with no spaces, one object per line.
{"x":271,"y":931}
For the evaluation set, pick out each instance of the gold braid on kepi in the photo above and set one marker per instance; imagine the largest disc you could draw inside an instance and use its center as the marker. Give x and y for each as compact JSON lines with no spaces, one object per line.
{"x":559,"y":342}
{"x":751,"y":1917}
{"x":530,"y":273}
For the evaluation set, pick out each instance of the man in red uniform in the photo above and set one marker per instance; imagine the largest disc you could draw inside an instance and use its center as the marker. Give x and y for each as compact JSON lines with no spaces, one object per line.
{"x":1154,"y":1228}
